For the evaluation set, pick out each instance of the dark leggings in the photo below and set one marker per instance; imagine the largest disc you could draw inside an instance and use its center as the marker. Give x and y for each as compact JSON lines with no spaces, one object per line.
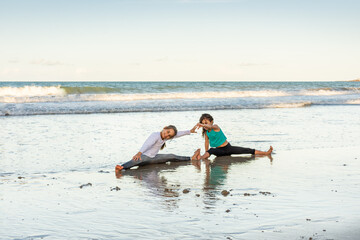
{"x":159,"y":158}
{"x":228,"y":150}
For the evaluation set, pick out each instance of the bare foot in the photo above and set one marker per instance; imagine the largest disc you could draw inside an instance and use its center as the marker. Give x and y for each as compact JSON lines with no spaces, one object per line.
{"x":196,"y":155}
{"x":270,"y":150}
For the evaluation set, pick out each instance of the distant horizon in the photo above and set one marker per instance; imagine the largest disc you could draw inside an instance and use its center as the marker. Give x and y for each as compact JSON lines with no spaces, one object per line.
{"x":129,"y":81}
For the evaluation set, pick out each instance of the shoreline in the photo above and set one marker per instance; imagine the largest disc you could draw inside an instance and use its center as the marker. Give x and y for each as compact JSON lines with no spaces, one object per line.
{"x":7,"y":115}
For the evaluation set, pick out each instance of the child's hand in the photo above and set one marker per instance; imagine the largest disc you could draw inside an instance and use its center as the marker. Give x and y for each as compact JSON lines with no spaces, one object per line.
{"x":199,"y":125}
{"x":137,"y":156}
{"x":193,"y":129}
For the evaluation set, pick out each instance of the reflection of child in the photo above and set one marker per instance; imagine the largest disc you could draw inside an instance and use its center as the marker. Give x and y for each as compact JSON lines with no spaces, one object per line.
{"x":149,"y":151}
{"x":218,"y":142}
{"x":217,"y":175}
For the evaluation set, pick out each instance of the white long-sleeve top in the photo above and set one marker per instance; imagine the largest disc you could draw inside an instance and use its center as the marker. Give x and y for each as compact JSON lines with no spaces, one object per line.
{"x":153,"y":143}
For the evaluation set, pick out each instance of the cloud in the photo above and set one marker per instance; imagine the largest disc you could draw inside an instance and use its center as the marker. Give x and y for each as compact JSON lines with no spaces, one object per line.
{"x":8,"y":71}
{"x":135,"y":64}
{"x":251,"y":64}
{"x":47,"y":62}
{"x":81,"y":71}
{"x":13,"y":61}
{"x":163,"y":59}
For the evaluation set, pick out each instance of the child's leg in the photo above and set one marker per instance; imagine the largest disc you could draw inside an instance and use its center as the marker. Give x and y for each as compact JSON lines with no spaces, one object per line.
{"x":241,"y":150}
{"x":196,"y":155}
{"x":216,"y":151}
{"x":257,"y":152}
{"x":163,"y":158}
{"x":159,"y":158}
{"x":132,"y":163}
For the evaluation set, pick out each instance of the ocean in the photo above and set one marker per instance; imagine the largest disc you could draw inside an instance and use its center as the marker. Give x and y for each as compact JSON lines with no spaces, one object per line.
{"x":35,"y":98}
{"x":60,"y":142}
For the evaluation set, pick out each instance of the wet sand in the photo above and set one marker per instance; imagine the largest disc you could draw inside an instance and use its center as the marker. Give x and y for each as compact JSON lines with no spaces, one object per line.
{"x":57,"y":177}
{"x":298,"y":194}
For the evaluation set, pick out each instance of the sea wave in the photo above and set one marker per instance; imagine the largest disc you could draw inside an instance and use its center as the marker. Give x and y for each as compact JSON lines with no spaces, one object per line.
{"x":57,"y":94}
{"x":290,"y":105}
{"x":75,"y":98}
{"x":32,"y":94}
{"x":26,"y":109}
{"x":31,"y":91}
{"x":91,"y":90}
{"x":355,"y":101}
{"x":330,"y":91}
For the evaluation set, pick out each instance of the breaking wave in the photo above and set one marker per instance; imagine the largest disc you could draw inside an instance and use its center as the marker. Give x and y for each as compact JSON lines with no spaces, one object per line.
{"x":78,"y":98}
{"x":33,"y":94}
{"x":290,"y":105}
{"x":355,"y":101}
{"x":330,"y":91}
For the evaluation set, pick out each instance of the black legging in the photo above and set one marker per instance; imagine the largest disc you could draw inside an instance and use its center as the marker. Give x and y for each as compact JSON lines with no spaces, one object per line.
{"x":159,"y":158}
{"x":228,"y":150}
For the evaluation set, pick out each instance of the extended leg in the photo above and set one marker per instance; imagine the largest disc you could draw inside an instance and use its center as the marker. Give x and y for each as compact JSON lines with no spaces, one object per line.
{"x":239,"y":150}
{"x":162,"y":158}
{"x":132,"y":163}
{"x":257,"y":152}
{"x":216,"y":151}
{"x":159,"y":158}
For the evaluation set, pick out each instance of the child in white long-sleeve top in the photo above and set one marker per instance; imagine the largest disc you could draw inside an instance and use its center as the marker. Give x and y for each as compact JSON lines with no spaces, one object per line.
{"x":148,"y":153}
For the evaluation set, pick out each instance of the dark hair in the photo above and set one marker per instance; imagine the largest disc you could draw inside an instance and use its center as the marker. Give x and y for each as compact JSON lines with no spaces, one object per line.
{"x":208,"y":117}
{"x":169,"y":127}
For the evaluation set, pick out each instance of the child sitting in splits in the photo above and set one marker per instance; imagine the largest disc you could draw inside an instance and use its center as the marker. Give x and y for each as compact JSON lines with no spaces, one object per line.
{"x":218,"y":142}
{"x":148,"y":153}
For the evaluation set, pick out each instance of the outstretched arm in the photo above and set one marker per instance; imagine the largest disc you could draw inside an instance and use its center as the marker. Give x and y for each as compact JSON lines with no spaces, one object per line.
{"x":208,"y":126}
{"x":187,"y":132}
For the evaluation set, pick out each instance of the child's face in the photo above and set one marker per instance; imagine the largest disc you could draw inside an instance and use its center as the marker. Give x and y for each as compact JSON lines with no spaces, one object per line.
{"x":207,"y":121}
{"x":167,"y":133}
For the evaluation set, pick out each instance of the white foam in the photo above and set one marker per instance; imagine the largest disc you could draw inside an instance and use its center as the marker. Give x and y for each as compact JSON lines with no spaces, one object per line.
{"x":31,"y":91}
{"x":323,"y":92}
{"x":56,"y":94}
{"x":181,"y":95}
{"x":291,"y":105}
{"x":355,"y":101}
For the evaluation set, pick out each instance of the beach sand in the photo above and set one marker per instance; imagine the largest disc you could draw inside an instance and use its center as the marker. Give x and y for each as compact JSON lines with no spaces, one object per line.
{"x":296,"y":195}
{"x":57,"y":178}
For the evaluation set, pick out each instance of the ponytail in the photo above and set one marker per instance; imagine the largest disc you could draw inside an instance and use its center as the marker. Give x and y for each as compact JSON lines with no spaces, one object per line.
{"x":208,"y":117}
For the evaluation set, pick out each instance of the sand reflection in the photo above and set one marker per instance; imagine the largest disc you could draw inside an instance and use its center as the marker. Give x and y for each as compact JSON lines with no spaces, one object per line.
{"x":153,"y":178}
{"x":158,"y":185}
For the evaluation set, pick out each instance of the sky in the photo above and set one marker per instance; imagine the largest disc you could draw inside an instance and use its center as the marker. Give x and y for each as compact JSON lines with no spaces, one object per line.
{"x":179,"y":40}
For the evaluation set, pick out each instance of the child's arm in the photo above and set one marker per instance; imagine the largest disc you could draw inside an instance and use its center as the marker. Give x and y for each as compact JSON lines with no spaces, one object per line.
{"x":206,"y":143}
{"x":187,"y":132}
{"x":208,"y":126}
{"x":182,"y":133}
{"x":137,"y":156}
